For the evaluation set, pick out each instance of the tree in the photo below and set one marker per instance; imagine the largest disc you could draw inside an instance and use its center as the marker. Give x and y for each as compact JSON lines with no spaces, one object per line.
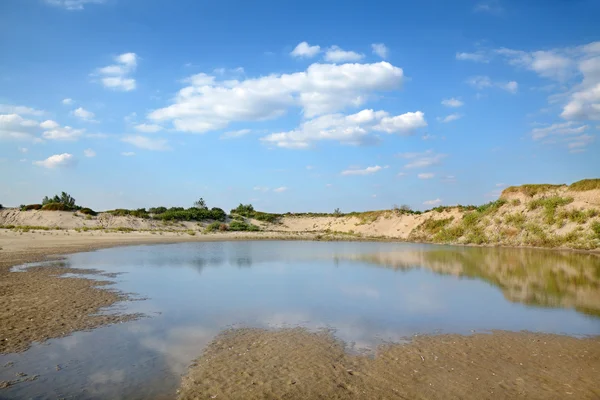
{"x":337,"y":212}
{"x":201,"y":204}
{"x":66,"y":199}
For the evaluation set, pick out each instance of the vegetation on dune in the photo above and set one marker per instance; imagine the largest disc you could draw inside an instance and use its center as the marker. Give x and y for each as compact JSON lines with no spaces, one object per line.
{"x":585,"y":184}
{"x":550,"y":204}
{"x":31,"y":207}
{"x":531,"y":190}
{"x":242,"y":226}
{"x":248,"y":211}
{"x":88,"y":211}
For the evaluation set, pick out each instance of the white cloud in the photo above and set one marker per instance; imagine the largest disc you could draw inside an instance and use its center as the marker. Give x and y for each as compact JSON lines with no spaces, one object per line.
{"x":425,"y":175}
{"x":261,"y":188}
{"x":235,"y":134}
{"x":280,"y":189}
{"x":22,"y":110}
{"x":549,"y":64}
{"x":73,"y":5}
{"x":62,"y":133}
{"x":23,"y":149}
{"x":57,"y":161}
{"x":565,"y":128}
{"x":118,"y":76}
{"x":484,"y":82}
{"x":15,"y":127}
{"x":489,"y":7}
{"x":148,"y":128}
{"x":89,"y":153}
{"x":432,"y":202}
{"x":208,"y":104}
{"x":351,"y":129}
{"x":128,"y":154}
{"x":303,"y":49}
{"x":423,"y":159}
{"x":49,"y":124}
{"x":450,"y":118}
{"x":67,"y":101}
{"x":477,"y":57}
{"x":452,"y":102}
{"x":366,"y":171}
{"x":380,"y":49}
{"x":336,"y":55}
{"x":147,"y":143}
{"x":585,"y":100}
{"x":577,"y":144}
{"x":84,"y":114}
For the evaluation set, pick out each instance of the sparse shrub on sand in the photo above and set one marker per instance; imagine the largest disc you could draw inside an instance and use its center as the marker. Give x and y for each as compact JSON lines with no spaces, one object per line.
{"x":31,"y":207}
{"x":88,"y":211}
{"x":242,"y":226}
{"x":585,"y":184}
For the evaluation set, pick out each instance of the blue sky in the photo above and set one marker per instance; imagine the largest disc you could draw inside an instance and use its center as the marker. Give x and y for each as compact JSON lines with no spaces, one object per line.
{"x":295,"y":106}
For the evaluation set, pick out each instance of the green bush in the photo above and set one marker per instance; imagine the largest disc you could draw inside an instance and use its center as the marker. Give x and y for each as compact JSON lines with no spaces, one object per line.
{"x":192,"y":214}
{"x":122,"y":212}
{"x":242,"y":226}
{"x":56,"y":207}
{"x":88,"y":211}
{"x":157,"y":210}
{"x":213,"y":227}
{"x":585,"y":184}
{"x":67,"y":201}
{"x":550,"y":205}
{"x":31,"y":207}
{"x":596,"y":229}
{"x":433,"y":226}
{"x":516,"y":220}
{"x":248,"y":211}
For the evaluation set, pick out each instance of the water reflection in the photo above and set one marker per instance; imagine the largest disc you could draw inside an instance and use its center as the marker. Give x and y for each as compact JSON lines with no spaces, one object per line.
{"x":534,"y":277}
{"x":365,"y":293}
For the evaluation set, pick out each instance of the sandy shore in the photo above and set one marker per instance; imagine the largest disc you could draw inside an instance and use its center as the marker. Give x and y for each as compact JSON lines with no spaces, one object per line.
{"x":296,"y":364}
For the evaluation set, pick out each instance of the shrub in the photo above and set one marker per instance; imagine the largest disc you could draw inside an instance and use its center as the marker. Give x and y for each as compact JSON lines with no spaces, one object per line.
{"x":249,"y":212}
{"x":243,"y":209}
{"x":450,"y":234}
{"x":1,"y":207}
{"x":56,"y":207}
{"x":550,"y":205}
{"x":213,"y":227}
{"x":337,"y":212}
{"x":596,"y":229}
{"x":201,"y":204}
{"x":31,"y":207}
{"x":516,"y":202}
{"x":531,"y":190}
{"x":433,"y":226}
{"x":65,"y":199}
{"x":88,"y":211}
{"x":121,"y":212}
{"x":157,"y":210}
{"x":585,"y":184}
{"x":223,"y":227}
{"x":516,"y":220}
{"x":242,"y":226}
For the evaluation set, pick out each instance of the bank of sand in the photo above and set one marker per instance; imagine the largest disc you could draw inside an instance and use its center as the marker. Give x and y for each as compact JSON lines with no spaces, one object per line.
{"x":39,"y":304}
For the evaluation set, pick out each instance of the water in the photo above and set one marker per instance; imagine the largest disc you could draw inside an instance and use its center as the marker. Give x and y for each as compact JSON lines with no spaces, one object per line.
{"x":367,"y":293}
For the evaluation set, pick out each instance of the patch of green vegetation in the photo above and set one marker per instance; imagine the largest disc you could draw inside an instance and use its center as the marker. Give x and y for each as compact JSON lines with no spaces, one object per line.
{"x":550,"y":205}
{"x":577,"y":216}
{"x":88,"y":211}
{"x":449,"y":234}
{"x":531,"y":190}
{"x":31,"y":207}
{"x":596,"y":229}
{"x":27,"y":228}
{"x":516,"y":202}
{"x":123,"y":229}
{"x":192,"y":214}
{"x":516,"y":220}
{"x":476,"y":236}
{"x":216,"y":226}
{"x":242,"y":226}
{"x":585,"y":184}
{"x":434,"y":226}
{"x":122,"y":212}
{"x":248,"y":211}
{"x":157,"y":210}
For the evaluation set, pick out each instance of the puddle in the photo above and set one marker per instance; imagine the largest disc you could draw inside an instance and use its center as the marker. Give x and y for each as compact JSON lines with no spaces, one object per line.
{"x":366,"y":293}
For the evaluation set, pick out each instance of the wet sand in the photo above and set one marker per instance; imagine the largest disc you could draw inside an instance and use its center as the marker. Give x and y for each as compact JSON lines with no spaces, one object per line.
{"x":296,"y":364}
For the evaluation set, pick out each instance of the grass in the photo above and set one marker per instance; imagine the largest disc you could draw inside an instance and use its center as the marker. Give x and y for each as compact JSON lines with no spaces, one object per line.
{"x":531,"y":190}
{"x":27,"y":228}
{"x":434,"y":226}
{"x":585,"y":184}
{"x":242,"y":226}
{"x":596,"y":230}
{"x":550,"y":204}
{"x":449,"y":234}
{"x":516,"y":220}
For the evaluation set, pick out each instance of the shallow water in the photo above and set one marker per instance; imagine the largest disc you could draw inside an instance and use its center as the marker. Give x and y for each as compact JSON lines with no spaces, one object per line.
{"x":367,"y":293}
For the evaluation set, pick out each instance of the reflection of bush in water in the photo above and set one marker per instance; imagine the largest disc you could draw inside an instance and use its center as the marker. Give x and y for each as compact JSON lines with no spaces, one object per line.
{"x":541,"y":278}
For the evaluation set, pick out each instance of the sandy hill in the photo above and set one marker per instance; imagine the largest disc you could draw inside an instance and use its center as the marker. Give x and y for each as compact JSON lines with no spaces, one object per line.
{"x":530,"y":215}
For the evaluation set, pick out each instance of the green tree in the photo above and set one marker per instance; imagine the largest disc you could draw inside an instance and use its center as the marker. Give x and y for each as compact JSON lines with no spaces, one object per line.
{"x":201,"y":204}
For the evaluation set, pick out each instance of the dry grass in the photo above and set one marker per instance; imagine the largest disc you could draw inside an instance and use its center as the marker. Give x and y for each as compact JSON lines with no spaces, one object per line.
{"x":585,"y":184}
{"x":531,"y":190}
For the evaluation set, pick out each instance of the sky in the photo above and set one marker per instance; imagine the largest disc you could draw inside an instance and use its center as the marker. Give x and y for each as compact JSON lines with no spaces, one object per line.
{"x":295,"y":106}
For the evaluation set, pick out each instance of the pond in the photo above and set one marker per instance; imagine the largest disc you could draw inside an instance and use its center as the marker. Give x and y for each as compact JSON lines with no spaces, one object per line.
{"x":365,"y":293}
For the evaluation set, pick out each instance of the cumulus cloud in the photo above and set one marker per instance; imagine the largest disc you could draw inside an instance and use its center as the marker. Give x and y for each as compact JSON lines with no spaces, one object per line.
{"x":15,"y":127}
{"x":422,"y":159}
{"x":57,"y":161}
{"x":208,"y":104}
{"x":450,"y":118}
{"x":304,"y":50}
{"x":148,"y":128}
{"x":380,"y":49}
{"x":89,"y":153}
{"x":351,"y":129}
{"x":21,"y":110}
{"x":84,"y":114}
{"x":425,"y":175}
{"x":565,"y":128}
{"x":366,"y":171}
{"x":144,"y":142}
{"x":280,"y":189}
{"x":452,"y":102}
{"x":56,"y":132}
{"x":73,"y":5}
{"x":484,"y":82}
{"x":336,"y":55}
{"x":118,"y":76}
{"x":432,"y":202}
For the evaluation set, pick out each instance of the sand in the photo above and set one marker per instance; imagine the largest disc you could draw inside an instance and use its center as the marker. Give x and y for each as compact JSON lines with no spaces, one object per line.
{"x":296,"y":364}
